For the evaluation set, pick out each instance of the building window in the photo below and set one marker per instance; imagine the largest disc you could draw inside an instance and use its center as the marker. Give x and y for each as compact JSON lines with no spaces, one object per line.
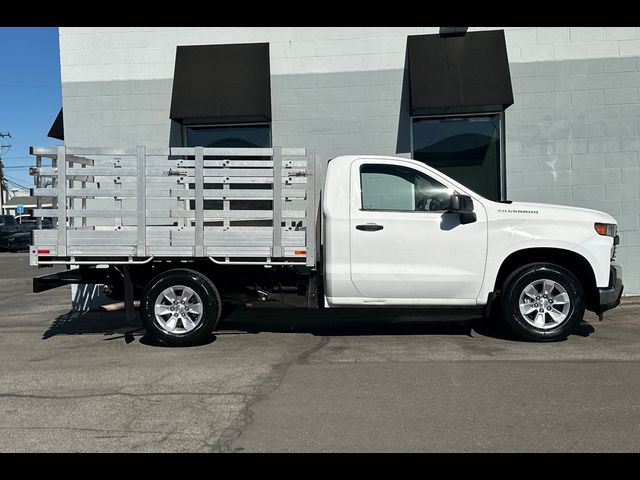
{"x":393,"y":187}
{"x":232,"y":136}
{"x":466,"y":148}
{"x":228,"y":136}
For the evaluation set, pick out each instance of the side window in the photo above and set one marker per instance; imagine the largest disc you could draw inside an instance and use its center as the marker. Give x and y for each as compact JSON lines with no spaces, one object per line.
{"x":392,"y":187}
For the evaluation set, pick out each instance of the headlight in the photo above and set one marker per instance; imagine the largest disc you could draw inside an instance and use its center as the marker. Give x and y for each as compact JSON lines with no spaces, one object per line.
{"x":606,"y":229}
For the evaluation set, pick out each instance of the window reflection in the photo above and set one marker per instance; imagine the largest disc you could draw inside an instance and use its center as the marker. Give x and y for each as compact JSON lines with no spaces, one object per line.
{"x":465,"y":148}
{"x":234,"y":136}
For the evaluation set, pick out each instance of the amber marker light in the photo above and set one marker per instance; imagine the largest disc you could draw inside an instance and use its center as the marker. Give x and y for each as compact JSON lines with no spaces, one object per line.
{"x":605,"y":229}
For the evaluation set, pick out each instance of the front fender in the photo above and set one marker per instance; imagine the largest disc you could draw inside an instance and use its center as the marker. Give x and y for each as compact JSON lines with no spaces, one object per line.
{"x":595,"y":250}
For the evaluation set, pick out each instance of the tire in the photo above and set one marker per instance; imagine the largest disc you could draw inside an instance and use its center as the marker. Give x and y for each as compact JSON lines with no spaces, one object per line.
{"x":542,"y":319}
{"x":185,"y":323}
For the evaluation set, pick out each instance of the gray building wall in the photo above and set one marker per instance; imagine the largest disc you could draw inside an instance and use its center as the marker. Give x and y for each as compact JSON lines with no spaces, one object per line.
{"x":573,"y":139}
{"x":572,"y":133}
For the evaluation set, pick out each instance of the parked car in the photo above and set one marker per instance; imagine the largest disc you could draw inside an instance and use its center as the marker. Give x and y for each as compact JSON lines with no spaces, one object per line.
{"x":16,"y":234}
{"x":18,"y":241}
{"x":8,"y":227}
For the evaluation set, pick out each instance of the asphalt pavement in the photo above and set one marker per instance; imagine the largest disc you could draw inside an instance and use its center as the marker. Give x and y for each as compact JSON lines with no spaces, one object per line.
{"x":309,"y":381}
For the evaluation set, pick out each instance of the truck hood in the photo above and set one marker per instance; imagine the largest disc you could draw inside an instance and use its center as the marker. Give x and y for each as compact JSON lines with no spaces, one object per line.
{"x":556,"y":212}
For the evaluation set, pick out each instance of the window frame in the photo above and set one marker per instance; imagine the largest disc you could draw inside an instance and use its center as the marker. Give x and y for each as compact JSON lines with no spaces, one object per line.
{"x":362,"y":209}
{"x":183,"y":129}
{"x":502,"y":163}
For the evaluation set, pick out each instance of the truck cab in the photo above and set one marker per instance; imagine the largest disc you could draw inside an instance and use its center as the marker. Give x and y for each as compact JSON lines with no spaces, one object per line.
{"x":399,"y":233}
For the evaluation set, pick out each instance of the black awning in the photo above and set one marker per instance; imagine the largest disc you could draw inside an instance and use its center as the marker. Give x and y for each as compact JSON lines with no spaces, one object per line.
{"x":57,"y":127}
{"x":222,"y":84}
{"x":459,"y":74}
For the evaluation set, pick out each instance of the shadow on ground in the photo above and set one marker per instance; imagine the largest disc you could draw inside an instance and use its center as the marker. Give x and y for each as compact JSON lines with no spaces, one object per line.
{"x":374,"y":321}
{"x":334,"y":322}
{"x":93,"y":323}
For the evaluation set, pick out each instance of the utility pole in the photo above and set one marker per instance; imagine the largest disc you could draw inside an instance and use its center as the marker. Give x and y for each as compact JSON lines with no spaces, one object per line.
{"x":3,"y":185}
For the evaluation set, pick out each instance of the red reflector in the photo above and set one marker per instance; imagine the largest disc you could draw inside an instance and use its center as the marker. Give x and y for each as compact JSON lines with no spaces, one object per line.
{"x":300,"y":252}
{"x":44,"y":252}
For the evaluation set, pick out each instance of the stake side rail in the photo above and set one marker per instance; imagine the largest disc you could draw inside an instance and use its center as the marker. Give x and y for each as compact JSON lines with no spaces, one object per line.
{"x":226,"y":205}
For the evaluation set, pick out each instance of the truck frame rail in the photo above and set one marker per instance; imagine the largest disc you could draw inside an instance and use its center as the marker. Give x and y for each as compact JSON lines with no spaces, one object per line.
{"x":229,"y":205}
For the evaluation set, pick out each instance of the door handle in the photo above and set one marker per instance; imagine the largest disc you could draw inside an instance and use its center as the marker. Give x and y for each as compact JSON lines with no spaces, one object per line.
{"x":369,"y":227}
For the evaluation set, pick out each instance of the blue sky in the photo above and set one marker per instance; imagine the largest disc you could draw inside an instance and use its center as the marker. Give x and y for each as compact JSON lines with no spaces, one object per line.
{"x":30,"y":94}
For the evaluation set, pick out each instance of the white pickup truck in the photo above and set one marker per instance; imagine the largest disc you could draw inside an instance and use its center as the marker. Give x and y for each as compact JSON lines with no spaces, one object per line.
{"x":391,"y":232}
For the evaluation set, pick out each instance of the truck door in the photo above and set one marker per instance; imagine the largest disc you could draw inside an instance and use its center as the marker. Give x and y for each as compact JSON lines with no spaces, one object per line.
{"x":404,"y":245}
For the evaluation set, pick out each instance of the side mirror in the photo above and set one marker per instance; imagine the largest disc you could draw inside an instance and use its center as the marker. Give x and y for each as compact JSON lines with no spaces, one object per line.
{"x":462,"y":204}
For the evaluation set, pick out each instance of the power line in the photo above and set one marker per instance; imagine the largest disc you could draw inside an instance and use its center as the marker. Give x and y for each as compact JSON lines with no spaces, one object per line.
{"x":15,"y":179}
{"x":18,"y":143}
{"x":16,"y":184}
{"x":3,"y":184}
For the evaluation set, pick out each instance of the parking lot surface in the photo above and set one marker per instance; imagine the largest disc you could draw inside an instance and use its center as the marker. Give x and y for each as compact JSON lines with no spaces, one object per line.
{"x":309,"y":381}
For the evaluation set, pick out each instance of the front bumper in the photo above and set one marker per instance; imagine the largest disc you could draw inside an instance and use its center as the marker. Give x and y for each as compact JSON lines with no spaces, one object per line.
{"x":610,"y":295}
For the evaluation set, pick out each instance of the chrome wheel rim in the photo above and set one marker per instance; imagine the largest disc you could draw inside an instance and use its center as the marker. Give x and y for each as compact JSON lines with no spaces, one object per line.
{"x":544,"y":304}
{"x":178,"y":309}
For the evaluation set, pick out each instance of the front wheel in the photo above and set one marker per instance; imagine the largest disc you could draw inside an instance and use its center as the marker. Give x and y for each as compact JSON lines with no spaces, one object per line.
{"x":542,"y":302}
{"x":180,"y":307}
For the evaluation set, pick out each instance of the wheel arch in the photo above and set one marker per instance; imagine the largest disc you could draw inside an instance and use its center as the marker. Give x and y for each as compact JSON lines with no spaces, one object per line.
{"x":575,"y":263}
{"x":142,"y":275}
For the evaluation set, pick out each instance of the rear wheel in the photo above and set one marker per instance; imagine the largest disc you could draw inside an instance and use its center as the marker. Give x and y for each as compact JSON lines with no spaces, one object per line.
{"x":542,"y":302}
{"x":180,"y":307}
